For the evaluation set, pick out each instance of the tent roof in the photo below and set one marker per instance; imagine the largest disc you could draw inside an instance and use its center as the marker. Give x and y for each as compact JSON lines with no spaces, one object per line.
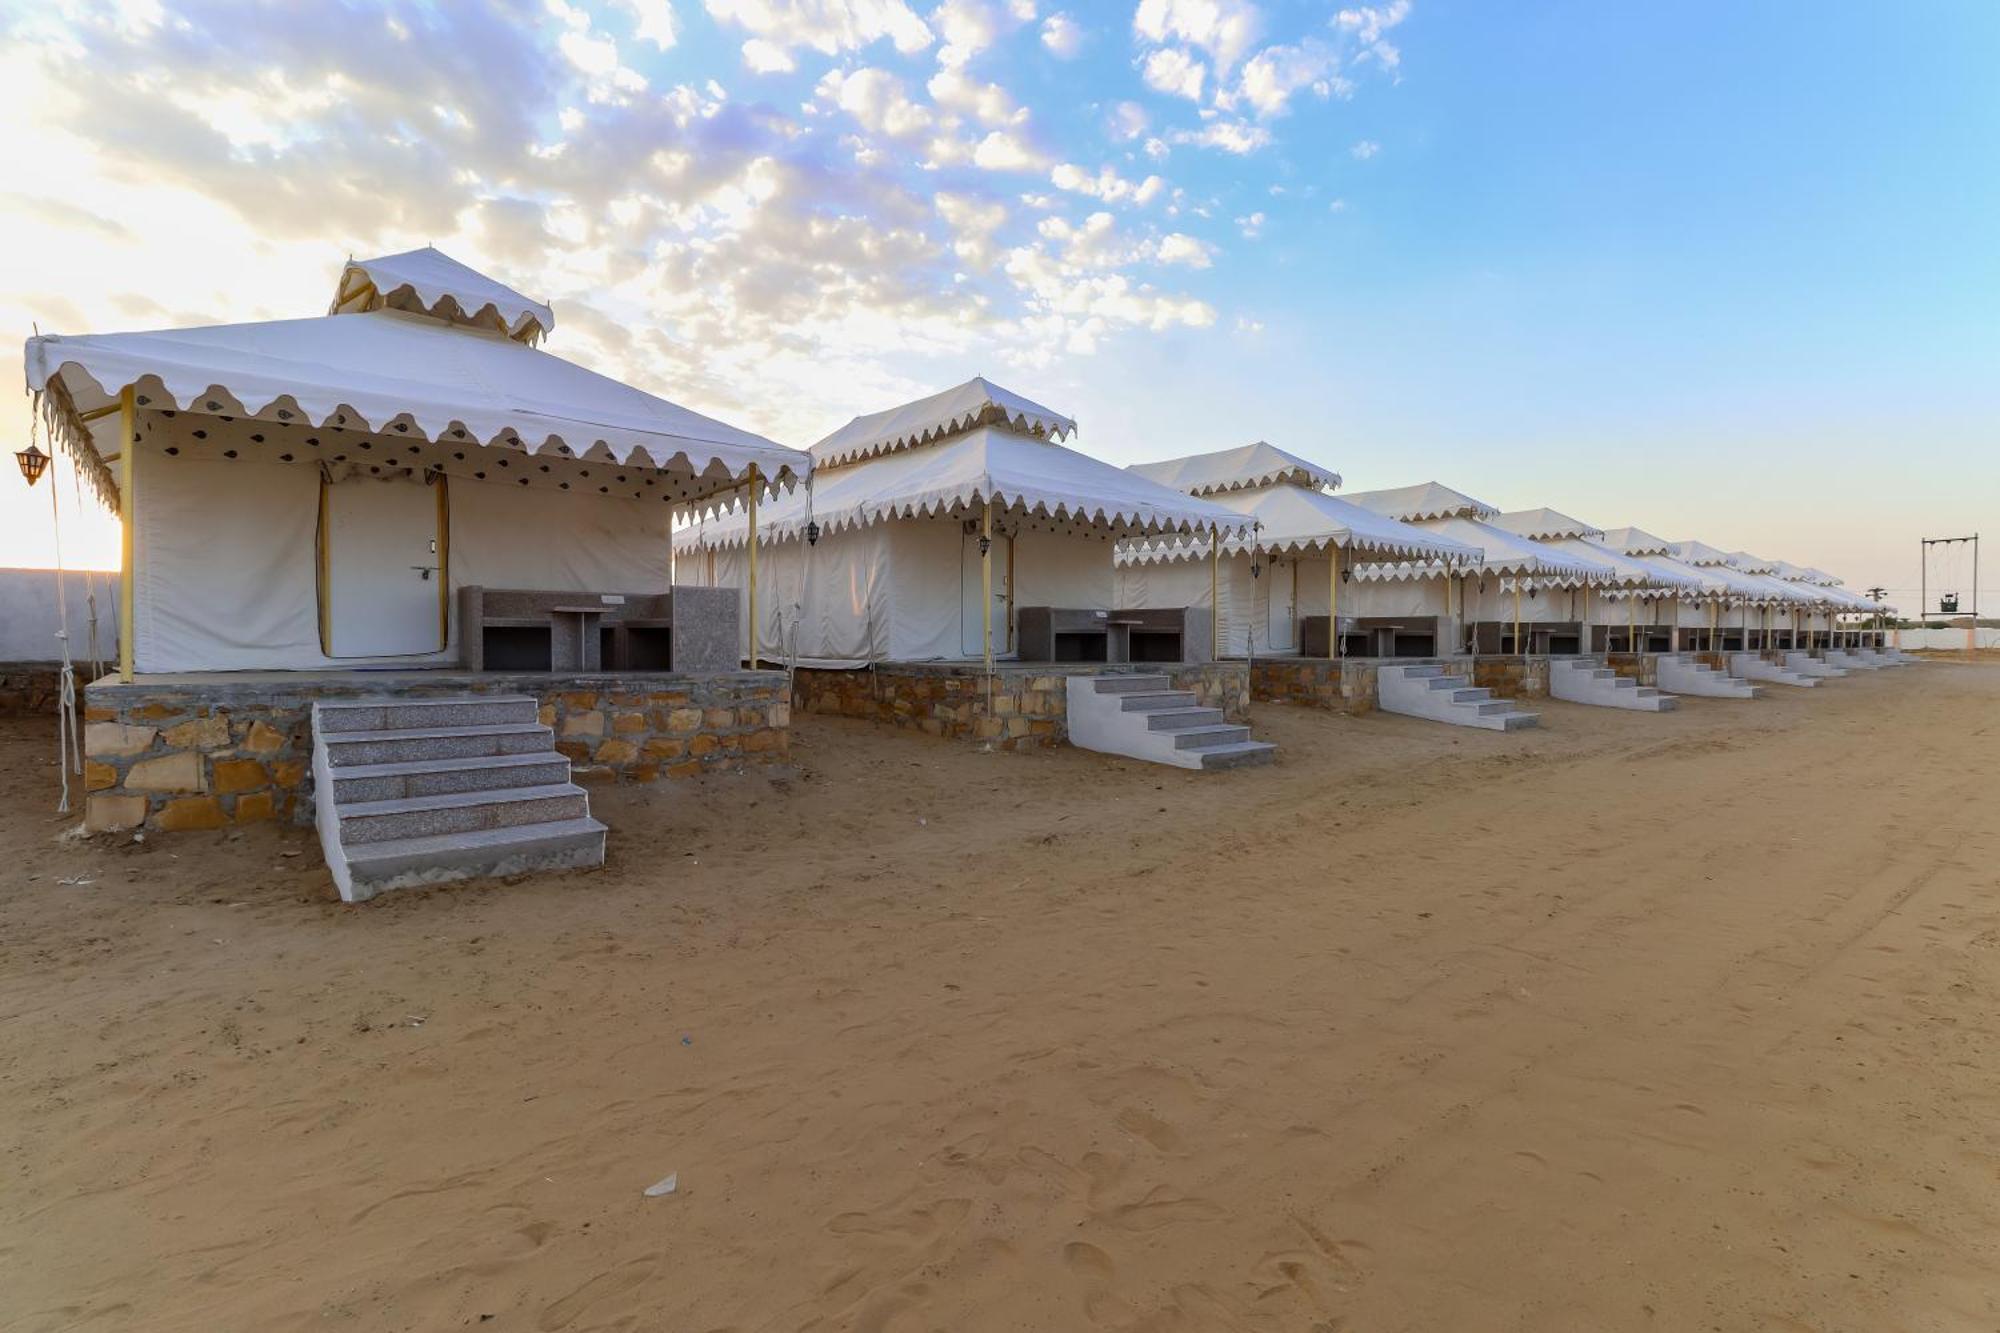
{"x":1504,"y":554}
{"x":1714,"y":582}
{"x":386,"y":370}
{"x":1631,"y":572}
{"x":1245,"y":467}
{"x":1286,"y":517}
{"x":1637,"y":541}
{"x":1022,"y":474}
{"x":1753,"y":564}
{"x":1702,"y":554}
{"x":1427,"y":500}
{"x":977,"y":402}
{"x":430,"y":282}
{"x":1831,"y":580}
{"x":1544,"y":524}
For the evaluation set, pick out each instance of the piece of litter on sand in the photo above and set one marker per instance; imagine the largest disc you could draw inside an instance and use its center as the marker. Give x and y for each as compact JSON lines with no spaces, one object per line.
{"x":667,"y":1186}
{"x":687,"y":1041}
{"x":293,"y":852}
{"x":78,"y":881}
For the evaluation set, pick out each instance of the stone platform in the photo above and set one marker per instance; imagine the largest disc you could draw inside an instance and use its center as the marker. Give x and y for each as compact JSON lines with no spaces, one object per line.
{"x":209,"y":750}
{"x":1025,"y":705}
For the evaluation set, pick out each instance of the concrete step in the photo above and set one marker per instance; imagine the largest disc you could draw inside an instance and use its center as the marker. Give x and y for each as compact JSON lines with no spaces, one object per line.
{"x":1471,"y":695}
{"x":1178,"y":719}
{"x":1127,"y":684}
{"x":377,"y":867}
{"x":1493,"y":707}
{"x":436,"y":777}
{"x":459,"y":812}
{"x":1239,"y":754}
{"x":1207,"y":738}
{"x":1519,"y":721}
{"x":1147,"y":701}
{"x":381,"y":714}
{"x":408,"y":745}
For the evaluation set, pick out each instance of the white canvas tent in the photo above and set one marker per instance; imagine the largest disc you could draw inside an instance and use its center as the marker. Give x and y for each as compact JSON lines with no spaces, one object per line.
{"x":309,"y":493}
{"x":1288,"y":564}
{"x":1716,"y":588}
{"x":1630,"y":580}
{"x":880,"y":558}
{"x":1514,"y":583}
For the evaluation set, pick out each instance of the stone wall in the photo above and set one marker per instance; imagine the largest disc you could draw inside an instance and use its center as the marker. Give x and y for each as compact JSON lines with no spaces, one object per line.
{"x":1347,"y":686}
{"x":1512,"y":677}
{"x":1029,"y":704}
{"x":33,"y":689}
{"x":212,"y":751}
{"x":1641,"y":667}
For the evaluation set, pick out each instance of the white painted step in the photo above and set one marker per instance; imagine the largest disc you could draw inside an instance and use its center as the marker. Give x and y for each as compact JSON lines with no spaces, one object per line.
{"x":1838,"y":660}
{"x":1750,"y":666}
{"x":1427,"y":690}
{"x":1681,"y":674}
{"x":1581,"y":680}
{"x":378,"y":867}
{"x":1142,"y":717}
{"x":1807,"y":664}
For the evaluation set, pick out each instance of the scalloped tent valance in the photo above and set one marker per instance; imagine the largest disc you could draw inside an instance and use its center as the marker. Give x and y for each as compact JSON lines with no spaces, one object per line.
{"x":1504,"y":555}
{"x":388,"y":372}
{"x":1020,"y":473}
{"x":1289,"y":519}
{"x":1637,"y":541}
{"x":1246,"y":467}
{"x":430,"y":282}
{"x":975,"y":403}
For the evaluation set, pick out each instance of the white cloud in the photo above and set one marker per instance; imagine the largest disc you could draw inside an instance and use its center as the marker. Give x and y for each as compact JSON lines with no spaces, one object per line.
{"x":1337,"y":206}
{"x":1002,"y":150}
{"x":1107,"y":184}
{"x":877,"y":100}
{"x":973,"y":222}
{"x":1224,"y":29}
{"x":1273,"y":75}
{"x":1180,"y":248}
{"x":987,"y":103}
{"x":765,"y":57}
{"x":970,"y":26}
{"x":652,"y":21}
{"x":1063,"y":36}
{"x":1231,"y":136}
{"x":1172,"y":70}
{"x":1252,"y":226}
{"x":830,"y":27}
{"x":1367,"y":26}
{"x":1128,"y":121}
{"x":1365,"y":149}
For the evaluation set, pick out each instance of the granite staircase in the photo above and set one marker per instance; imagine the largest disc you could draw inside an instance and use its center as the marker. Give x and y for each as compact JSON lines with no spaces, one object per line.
{"x":1428,"y":690}
{"x":1581,"y":680}
{"x":420,"y":791}
{"x":1143,"y":717}
{"x":1682,"y":674}
{"x":1754,"y":666}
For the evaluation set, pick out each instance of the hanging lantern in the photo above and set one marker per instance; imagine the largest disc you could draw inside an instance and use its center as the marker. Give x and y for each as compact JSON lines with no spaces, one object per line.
{"x":812,"y":532}
{"x":33,"y":463}
{"x":985,"y":544}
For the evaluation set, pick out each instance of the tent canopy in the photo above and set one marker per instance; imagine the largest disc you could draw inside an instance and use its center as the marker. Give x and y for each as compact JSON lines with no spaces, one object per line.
{"x":384,"y":370}
{"x":1544,"y":525}
{"x":1753,"y":564}
{"x":977,"y":402}
{"x":1023,"y":475}
{"x":1701,"y":554}
{"x":1292,"y":518}
{"x":1636,"y":541}
{"x":430,"y":282}
{"x":1427,"y":500}
{"x":1503,"y":554}
{"x":1246,"y":467}
{"x":1713,"y":582}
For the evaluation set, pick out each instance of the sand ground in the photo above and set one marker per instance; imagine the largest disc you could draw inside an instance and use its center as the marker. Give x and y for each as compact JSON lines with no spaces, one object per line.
{"x":1676,"y":1022}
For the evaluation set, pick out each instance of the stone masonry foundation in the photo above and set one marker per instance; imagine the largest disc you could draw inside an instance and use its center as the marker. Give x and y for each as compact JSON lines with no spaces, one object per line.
{"x":207,"y":752}
{"x":1029,"y":702}
{"x":1511,"y":677}
{"x":1346,"y":686}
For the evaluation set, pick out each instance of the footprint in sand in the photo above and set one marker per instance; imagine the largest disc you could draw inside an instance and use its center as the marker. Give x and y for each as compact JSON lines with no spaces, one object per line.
{"x":1160,"y":1209}
{"x":1150,"y":1128}
{"x":624,"y":1278}
{"x":1087,"y":1261}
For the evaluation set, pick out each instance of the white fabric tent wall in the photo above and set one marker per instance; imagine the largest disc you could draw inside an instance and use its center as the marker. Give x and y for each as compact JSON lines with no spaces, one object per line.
{"x":228,"y":560}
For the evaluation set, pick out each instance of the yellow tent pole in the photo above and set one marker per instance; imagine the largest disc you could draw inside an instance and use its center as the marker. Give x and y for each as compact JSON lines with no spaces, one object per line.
{"x":1332,"y":601}
{"x":986,"y":586}
{"x":753,"y":567}
{"x":1215,"y":590}
{"x":128,"y":450}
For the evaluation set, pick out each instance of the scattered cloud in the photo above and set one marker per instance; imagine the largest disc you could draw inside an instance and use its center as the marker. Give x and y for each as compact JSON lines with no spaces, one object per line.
{"x":1231,"y":136}
{"x":1062,"y":35}
{"x":831,"y":27}
{"x":1127,"y":121}
{"x":1180,"y":248}
{"x":1252,"y":226}
{"x":1003,"y":150}
{"x":1365,"y":149}
{"x":1225,"y":29}
{"x":1172,"y":70}
{"x":1106,"y":184}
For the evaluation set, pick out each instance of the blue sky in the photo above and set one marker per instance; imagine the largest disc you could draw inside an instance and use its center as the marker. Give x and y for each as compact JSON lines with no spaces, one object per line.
{"x":1724,"y":271}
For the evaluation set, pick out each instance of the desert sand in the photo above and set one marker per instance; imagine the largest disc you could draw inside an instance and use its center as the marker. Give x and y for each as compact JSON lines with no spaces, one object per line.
{"x":1676,"y":1022}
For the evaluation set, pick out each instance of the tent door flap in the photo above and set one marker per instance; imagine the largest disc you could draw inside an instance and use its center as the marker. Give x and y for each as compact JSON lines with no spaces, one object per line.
{"x":384,"y":554}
